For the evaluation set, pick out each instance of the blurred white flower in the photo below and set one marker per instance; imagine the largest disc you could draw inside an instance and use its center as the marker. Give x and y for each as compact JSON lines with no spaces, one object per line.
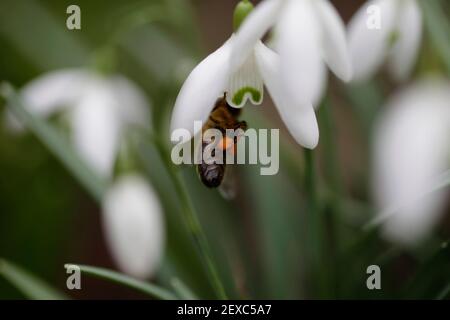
{"x":134,"y":226}
{"x":412,"y":151}
{"x":99,"y":108}
{"x":308,"y":32}
{"x":397,"y":38}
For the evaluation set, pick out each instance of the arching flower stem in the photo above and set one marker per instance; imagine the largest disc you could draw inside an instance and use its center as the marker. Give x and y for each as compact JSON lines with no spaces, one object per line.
{"x":315,"y":220}
{"x":332,"y":172}
{"x":194,"y":227}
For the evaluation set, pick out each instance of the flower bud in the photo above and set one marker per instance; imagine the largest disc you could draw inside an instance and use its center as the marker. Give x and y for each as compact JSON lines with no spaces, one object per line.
{"x":241,"y":12}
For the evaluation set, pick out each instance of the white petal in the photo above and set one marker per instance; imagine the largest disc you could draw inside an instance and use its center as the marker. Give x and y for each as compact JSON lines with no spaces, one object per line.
{"x":245,"y":84}
{"x":297,"y":37}
{"x":299,"y":119}
{"x":51,"y":92}
{"x":257,"y":23}
{"x":133,"y":226}
{"x":54,"y":90}
{"x":205,"y":84}
{"x":334,"y":42}
{"x":96,"y":129}
{"x":405,"y":50}
{"x":368,"y":46}
{"x":134,"y":107}
{"x":411,"y":151}
{"x":319,"y":92}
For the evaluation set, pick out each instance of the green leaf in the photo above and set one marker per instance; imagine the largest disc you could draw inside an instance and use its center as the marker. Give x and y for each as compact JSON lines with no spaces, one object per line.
{"x":444,"y":293}
{"x":49,"y":45}
{"x":182,"y":290}
{"x":365,"y":99}
{"x":31,"y":286}
{"x":55,"y":142}
{"x":144,"y":287}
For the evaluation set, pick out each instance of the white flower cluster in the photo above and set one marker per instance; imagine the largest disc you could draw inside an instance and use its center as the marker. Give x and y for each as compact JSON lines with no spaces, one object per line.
{"x":100,"y":110}
{"x":308,"y":35}
{"x":411,"y":144}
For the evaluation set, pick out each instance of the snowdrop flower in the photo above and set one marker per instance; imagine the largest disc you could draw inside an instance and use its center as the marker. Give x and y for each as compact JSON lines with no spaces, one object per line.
{"x":133,"y":225}
{"x":383,"y":29}
{"x":412,"y":151}
{"x":100,"y":108}
{"x":308,"y":33}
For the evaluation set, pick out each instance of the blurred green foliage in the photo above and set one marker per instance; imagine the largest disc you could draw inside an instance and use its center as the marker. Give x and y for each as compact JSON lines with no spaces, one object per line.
{"x":45,"y":216}
{"x":260,"y":241}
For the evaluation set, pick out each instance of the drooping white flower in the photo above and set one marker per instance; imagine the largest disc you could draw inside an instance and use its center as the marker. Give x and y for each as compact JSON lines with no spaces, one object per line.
{"x":213,"y":76}
{"x":412,"y":151}
{"x":99,"y":109}
{"x":308,"y":33}
{"x":385,"y":29}
{"x":133,"y":225}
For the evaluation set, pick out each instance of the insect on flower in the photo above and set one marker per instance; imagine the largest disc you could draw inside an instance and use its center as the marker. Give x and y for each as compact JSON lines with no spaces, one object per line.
{"x":223,"y":117}
{"x":240,"y":68}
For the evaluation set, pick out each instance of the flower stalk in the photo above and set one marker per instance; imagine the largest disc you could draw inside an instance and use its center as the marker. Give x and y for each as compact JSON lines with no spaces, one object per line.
{"x":144,"y":287}
{"x":241,"y":11}
{"x":193,"y":224}
{"x":315,"y":235}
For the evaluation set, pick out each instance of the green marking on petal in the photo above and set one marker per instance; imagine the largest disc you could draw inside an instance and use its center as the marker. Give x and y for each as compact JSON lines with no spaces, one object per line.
{"x":394,"y":36}
{"x":240,"y":95}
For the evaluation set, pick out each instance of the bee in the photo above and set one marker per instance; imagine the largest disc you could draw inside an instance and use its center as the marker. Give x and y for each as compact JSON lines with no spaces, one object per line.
{"x":222,"y":117}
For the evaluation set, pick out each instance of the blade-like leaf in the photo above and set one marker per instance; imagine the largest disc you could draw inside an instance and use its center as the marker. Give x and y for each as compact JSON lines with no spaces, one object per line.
{"x":31,"y":286}
{"x":182,"y":290}
{"x":50,"y":46}
{"x":144,"y":287}
{"x":444,"y":293}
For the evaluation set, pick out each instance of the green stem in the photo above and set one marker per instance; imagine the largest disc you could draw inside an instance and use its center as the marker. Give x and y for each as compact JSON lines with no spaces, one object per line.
{"x":193,"y":223}
{"x":315,"y":219}
{"x":144,"y":287}
{"x":31,"y":286}
{"x":182,"y":290}
{"x":311,"y":187}
{"x":328,"y":131}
